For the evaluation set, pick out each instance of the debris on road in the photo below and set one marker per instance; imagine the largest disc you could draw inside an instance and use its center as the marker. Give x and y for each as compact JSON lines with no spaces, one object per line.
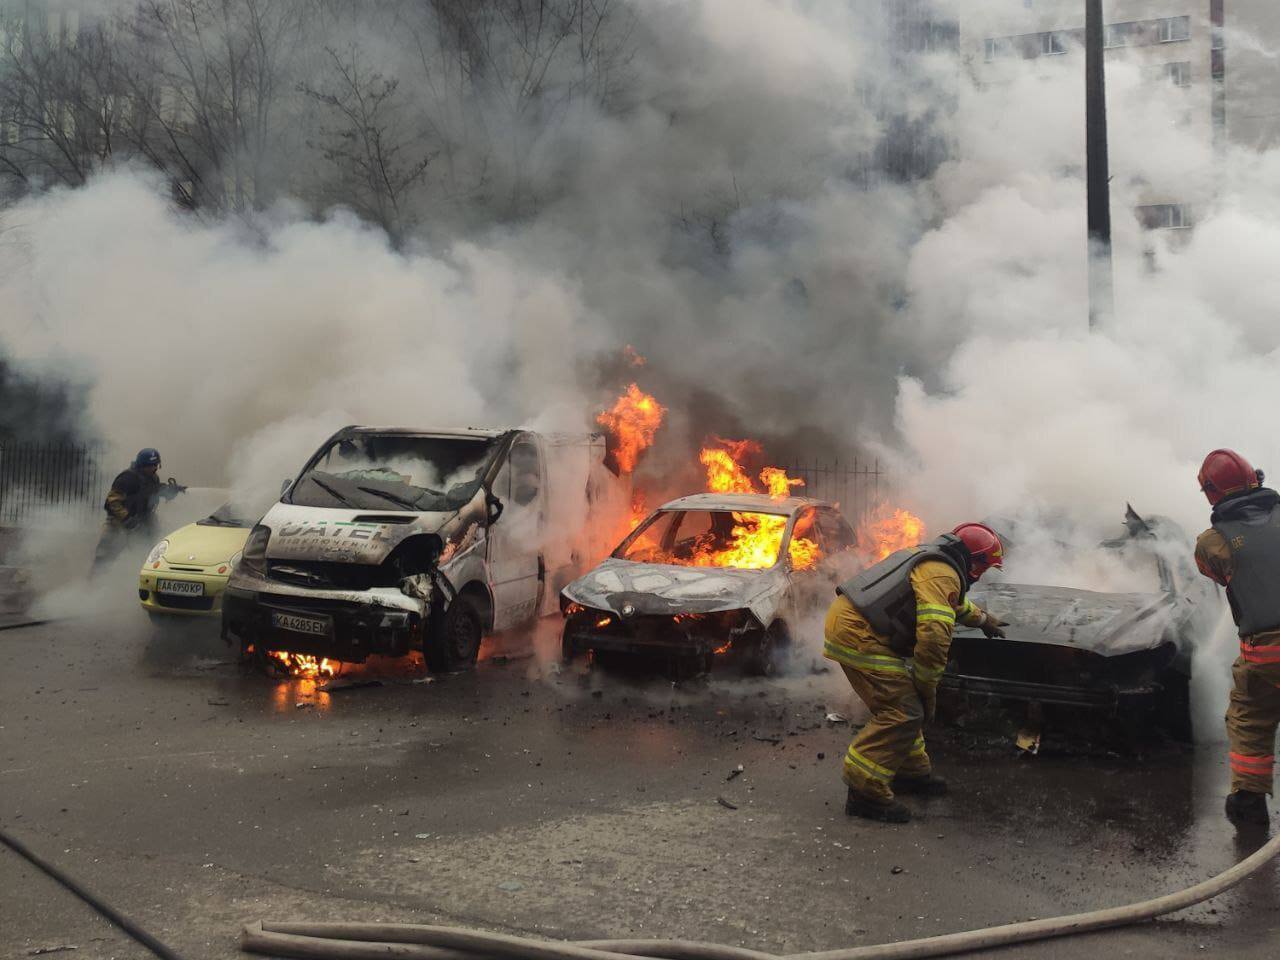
{"x":761,"y":739}
{"x":218,"y":703}
{"x":726,"y":804}
{"x":837,"y":718}
{"x":896,"y":870}
{"x":350,"y":685}
{"x":737,"y":772}
{"x":42,"y":951}
{"x":511,"y":886}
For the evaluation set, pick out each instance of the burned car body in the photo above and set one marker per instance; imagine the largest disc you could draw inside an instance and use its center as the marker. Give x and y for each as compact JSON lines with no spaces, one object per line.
{"x":395,"y":539}
{"x":1117,"y":653}
{"x":671,"y":588}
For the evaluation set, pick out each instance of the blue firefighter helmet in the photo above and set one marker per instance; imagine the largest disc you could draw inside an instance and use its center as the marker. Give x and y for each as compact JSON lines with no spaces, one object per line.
{"x":147,"y":457}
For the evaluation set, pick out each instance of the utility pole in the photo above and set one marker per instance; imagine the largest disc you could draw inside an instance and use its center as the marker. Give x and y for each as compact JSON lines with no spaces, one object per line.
{"x":1101,"y":293}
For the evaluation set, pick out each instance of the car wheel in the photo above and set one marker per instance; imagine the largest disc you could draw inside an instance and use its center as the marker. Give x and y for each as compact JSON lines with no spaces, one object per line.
{"x":567,"y":652}
{"x":765,"y":652}
{"x":455,"y":642}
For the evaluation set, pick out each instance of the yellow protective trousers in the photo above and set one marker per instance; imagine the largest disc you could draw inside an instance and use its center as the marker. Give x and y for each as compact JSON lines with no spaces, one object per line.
{"x":892,"y":741}
{"x":1254,"y":713}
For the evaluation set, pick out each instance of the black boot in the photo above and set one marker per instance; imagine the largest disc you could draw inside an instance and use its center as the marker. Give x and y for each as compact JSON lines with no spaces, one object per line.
{"x":926,"y":786}
{"x":1248,"y":809}
{"x":887,"y":812}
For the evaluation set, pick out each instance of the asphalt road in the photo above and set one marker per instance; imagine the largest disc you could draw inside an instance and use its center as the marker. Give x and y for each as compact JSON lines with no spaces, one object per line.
{"x":195,"y":797}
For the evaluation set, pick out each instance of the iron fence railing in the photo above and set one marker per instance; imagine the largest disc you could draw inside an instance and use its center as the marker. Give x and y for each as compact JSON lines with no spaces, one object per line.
{"x":35,"y":477}
{"x":856,"y":486}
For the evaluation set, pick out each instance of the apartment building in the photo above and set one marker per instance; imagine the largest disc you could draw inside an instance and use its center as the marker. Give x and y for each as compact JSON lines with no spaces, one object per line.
{"x":1221,"y":54}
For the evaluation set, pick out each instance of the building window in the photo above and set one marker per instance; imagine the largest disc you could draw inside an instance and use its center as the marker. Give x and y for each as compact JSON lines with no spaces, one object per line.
{"x":997,"y":47}
{"x":1053,"y":43}
{"x":1164,"y":216}
{"x":1179,"y":73}
{"x":1117,"y":34}
{"x":1172,"y":29}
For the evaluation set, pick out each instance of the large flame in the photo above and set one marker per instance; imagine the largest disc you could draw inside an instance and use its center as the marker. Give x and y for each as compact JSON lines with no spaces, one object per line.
{"x":632,"y":422}
{"x":304,"y":665}
{"x":757,"y":537}
{"x":889,"y":529}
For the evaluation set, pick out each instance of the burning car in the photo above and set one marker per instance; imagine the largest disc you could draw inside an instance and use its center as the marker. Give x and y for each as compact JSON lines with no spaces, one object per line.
{"x":396,"y":539}
{"x":712,"y":575}
{"x":1119,"y":653}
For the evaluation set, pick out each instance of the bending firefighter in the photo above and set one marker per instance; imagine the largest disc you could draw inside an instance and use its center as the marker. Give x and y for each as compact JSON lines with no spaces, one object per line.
{"x":1241,"y":551}
{"x":890,"y":630}
{"x":131,"y":503}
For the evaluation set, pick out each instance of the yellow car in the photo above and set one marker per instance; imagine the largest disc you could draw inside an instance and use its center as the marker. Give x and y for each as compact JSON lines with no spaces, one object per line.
{"x":186,"y":572}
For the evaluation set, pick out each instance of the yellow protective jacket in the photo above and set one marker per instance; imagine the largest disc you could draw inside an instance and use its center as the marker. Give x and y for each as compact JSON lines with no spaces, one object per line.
{"x":937,"y":589}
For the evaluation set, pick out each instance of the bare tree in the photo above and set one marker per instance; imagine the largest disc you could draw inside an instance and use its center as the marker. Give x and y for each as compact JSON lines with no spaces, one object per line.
{"x":60,"y":108}
{"x":373,"y":152}
{"x":503,"y":76}
{"x":207,"y":79}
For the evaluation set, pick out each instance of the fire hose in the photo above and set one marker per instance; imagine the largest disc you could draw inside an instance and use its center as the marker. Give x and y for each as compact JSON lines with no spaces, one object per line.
{"x":408,"y":941}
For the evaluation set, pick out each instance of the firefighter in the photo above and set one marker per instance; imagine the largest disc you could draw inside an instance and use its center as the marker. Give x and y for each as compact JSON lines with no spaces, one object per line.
{"x":890,"y":630}
{"x":131,"y":503}
{"x":1241,"y":551}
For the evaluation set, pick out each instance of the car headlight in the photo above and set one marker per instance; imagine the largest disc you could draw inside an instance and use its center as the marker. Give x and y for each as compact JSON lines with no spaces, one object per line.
{"x":253,"y":558}
{"x":157,"y":552}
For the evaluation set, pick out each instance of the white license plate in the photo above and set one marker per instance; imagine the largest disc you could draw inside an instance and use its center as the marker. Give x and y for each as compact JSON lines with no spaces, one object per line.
{"x":180,"y":588}
{"x":314,"y":626}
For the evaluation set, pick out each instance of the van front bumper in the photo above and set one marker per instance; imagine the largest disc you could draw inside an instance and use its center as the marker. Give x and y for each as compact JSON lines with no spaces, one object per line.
{"x":339,"y":625}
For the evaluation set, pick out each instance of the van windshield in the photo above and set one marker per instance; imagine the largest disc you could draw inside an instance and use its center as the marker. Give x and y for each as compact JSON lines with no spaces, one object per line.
{"x":376,"y":471}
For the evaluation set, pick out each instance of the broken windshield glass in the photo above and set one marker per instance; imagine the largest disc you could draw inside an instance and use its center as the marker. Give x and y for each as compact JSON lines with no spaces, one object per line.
{"x":375,"y":471}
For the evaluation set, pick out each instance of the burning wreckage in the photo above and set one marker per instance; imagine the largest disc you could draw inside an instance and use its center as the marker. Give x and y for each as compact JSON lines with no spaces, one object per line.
{"x":393,"y":540}
{"x":1125,"y":655}
{"x":711,"y":575}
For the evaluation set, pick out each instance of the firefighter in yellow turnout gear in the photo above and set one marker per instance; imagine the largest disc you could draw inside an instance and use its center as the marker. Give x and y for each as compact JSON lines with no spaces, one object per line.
{"x":1241,"y":551}
{"x":890,"y":630}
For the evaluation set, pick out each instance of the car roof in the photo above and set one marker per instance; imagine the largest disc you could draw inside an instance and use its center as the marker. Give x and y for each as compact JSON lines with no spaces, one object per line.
{"x":479,"y":433}
{"x":746,"y":502}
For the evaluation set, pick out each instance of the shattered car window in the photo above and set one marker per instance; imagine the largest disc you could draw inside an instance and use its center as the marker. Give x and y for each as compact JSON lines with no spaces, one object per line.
{"x":396,"y":472}
{"x":707,"y":538}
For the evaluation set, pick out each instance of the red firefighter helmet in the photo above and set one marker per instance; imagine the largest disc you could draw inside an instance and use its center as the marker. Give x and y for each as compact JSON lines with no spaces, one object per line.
{"x":1225,"y":472}
{"x":985,"y":549}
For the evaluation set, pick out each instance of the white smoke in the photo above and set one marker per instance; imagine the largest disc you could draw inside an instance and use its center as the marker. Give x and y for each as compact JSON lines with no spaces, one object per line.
{"x":717,"y":216}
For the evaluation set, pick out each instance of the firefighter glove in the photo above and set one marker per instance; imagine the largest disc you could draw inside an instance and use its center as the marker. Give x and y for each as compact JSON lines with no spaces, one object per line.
{"x":993,"y":627}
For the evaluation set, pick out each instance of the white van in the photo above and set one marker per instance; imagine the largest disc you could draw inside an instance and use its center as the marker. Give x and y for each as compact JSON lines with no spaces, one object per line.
{"x":395,"y":539}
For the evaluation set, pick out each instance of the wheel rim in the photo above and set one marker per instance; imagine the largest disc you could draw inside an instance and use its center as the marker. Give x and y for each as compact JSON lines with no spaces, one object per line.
{"x":464,"y":638}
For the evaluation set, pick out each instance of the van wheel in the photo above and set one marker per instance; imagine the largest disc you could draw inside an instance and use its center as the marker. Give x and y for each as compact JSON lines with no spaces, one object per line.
{"x":455,"y":642}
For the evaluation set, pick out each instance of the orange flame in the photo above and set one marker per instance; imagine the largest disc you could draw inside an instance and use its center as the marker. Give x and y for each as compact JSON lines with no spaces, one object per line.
{"x":757,"y":537}
{"x":888,"y":530}
{"x":633,"y":421}
{"x":304,"y":665}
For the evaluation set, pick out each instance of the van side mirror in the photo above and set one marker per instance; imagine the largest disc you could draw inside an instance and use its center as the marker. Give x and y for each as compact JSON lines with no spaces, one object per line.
{"x":495,"y":508}
{"x":284,"y":485}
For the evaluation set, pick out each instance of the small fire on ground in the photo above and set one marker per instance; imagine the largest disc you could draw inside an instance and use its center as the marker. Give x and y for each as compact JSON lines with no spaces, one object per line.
{"x":304,"y":665}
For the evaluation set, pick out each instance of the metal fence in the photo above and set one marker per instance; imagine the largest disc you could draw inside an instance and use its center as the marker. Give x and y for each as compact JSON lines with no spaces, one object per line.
{"x":855,"y":486}
{"x":36,"y":477}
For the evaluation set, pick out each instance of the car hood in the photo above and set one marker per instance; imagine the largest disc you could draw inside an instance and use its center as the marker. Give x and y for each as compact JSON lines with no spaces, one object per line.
{"x":204,"y":546}
{"x":347,"y":536}
{"x":1105,"y":623}
{"x":663,"y":589}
